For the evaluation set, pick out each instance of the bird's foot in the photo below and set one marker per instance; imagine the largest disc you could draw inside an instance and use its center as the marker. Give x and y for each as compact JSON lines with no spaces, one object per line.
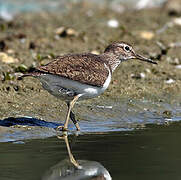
{"x":61,"y":128}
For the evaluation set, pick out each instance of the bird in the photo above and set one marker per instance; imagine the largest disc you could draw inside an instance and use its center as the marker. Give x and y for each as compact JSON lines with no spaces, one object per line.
{"x":76,"y":77}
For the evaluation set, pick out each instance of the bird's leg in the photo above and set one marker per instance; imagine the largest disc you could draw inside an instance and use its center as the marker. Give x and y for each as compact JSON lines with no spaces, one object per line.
{"x":72,"y":160}
{"x":71,"y":157}
{"x":72,"y":117}
{"x":71,"y":105}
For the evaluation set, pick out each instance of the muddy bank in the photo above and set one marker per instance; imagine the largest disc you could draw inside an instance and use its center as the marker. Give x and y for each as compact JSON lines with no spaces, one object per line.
{"x":34,"y":39}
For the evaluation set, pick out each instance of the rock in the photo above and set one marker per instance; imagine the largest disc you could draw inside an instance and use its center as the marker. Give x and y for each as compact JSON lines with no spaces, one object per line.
{"x":138,"y":76}
{"x":142,"y":75}
{"x":60,"y":30}
{"x":177,"y":21}
{"x":178,"y":66}
{"x":7,"y":59}
{"x":64,"y":32}
{"x":113,"y":23}
{"x":95,"y":52}
{"x":10,"y":51}
{"x":148,"y":35}
{"x":71,"y":32}
{"x":148,"y":70}
{"x":169,"y":81}
{"x":173,"y":61}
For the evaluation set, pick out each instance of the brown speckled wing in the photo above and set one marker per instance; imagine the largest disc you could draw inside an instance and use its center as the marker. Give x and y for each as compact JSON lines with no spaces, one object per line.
{"x":85,"y":68}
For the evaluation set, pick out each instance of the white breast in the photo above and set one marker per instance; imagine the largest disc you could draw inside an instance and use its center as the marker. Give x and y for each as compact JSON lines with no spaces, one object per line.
{"x":108,"y":80}
{"x":92,"y":91}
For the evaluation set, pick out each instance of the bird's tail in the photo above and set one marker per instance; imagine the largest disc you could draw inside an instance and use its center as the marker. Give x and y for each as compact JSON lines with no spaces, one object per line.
{"x":33,"y":73}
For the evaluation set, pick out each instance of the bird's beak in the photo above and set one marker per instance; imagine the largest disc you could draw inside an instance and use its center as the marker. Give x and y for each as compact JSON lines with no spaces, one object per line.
{"x":139,"y":57}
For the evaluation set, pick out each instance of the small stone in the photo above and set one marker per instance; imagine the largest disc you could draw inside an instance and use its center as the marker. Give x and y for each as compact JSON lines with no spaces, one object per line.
{"x":10,"y":51}
{"x":176,"y":44}
{"x":174,"y":61}
{"x":148,"y":70}
{"x":142,"y":75}
{"x":71,"y":32}
{"x":60,"y":30}
{"x":177,"y":21}
{"x":178,"y":66}
{"x":148,"y":35}
{"x":95,"y":52}
{"x":113,"y":23}
{"x":64,"y":32}
{"x":7,"y":59}
{"x":169,"y":81}
{"x":138,"y":76}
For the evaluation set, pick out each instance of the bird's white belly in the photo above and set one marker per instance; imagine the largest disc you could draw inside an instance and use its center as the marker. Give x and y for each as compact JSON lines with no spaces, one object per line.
{"x":66,"y":89}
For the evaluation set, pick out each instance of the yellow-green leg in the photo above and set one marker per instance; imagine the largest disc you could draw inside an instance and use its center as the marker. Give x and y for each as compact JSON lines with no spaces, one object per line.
{"x":70,"y":106}
{"x":71,"y":157}
{"x":72,"y":117}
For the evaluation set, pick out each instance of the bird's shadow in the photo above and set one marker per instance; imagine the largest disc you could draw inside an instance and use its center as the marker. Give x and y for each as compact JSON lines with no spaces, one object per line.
{"x":27,"y":121}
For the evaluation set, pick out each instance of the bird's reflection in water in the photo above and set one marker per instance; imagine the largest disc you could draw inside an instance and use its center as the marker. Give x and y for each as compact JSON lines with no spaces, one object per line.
{"x":71,"y":169}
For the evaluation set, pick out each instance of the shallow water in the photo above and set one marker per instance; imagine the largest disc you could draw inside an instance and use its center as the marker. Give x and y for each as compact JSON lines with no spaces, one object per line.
{"x":101,"y":116}
{"x":150,"y":153}
{"x":9,"y":8}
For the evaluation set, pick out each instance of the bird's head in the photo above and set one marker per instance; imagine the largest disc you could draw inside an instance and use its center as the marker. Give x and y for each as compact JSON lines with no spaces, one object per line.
{"x":125,"y":51}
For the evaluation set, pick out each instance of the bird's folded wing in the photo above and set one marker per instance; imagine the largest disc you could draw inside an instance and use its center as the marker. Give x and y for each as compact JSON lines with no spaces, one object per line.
{"x":85,"y":68}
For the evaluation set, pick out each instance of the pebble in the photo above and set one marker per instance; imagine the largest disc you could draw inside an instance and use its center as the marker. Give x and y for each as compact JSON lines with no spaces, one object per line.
{"x":138,"y":76}
{"x":142,"y":75}
{"x":63,"y":32}
{"x":177,"y":21}
{"x":7,"y":59}
{"x":148,"y":70}
{"x":10,"y":51}
{"x":178,"y":66}
{"x":169,"y":81}
{"x":95,"y":52}
{"x":148,"y":35}
{"x":174,"y":61}
{"x":113,"y":23}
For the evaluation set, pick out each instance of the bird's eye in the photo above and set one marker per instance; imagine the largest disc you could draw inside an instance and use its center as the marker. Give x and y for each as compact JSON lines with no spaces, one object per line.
{"x":127,"y":48}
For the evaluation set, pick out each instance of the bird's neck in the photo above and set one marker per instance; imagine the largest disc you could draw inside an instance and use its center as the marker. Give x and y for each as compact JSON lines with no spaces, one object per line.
{"x":111,"y":59}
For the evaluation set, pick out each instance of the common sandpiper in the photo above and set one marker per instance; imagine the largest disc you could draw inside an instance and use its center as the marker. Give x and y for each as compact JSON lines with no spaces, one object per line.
{"x":75,"y":77}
